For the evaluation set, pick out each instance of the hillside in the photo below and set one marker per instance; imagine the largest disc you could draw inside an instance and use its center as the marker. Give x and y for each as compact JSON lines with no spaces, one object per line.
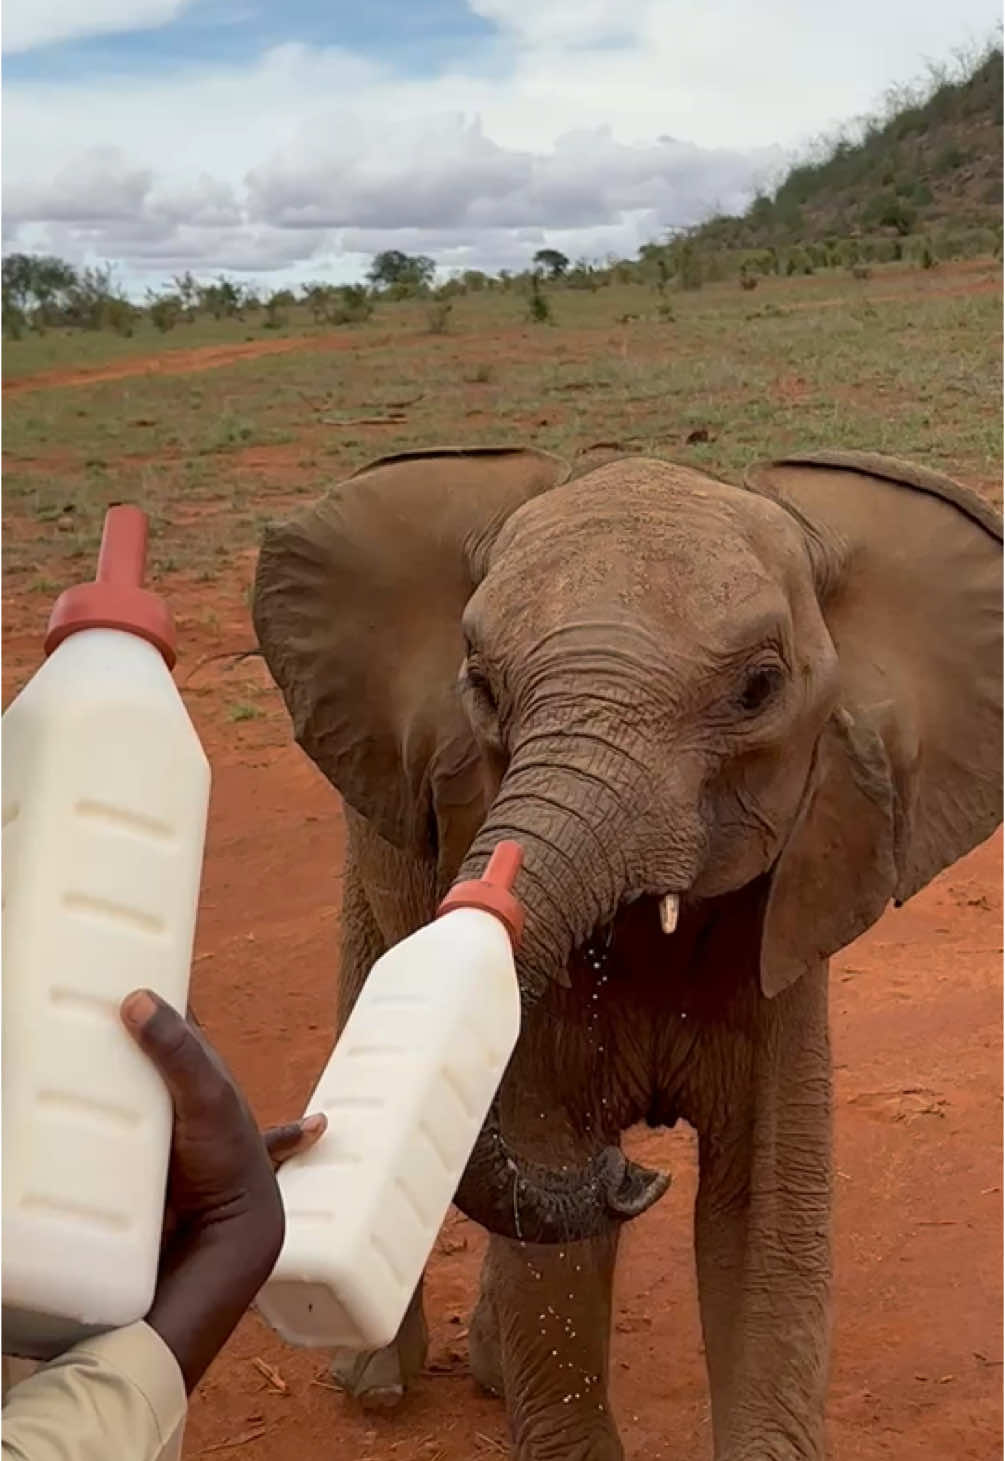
{"x":931,"y":164}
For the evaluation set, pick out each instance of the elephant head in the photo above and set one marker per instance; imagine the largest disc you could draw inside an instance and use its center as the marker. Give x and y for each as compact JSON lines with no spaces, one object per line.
{"x":660,"y":685}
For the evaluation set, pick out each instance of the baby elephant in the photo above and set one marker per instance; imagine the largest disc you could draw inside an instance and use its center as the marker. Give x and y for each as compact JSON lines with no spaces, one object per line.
{"x":728,"y":726}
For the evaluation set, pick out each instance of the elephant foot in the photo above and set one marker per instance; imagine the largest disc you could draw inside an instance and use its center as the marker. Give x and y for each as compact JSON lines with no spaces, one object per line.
{"x":378,"y":1379}
{"x":484,"y":1352}
{"x":571,"y":1444}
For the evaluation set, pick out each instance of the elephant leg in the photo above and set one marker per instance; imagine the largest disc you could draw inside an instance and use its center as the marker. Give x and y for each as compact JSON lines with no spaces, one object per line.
{"x":378,"y":1379}
{"x":484,"y":1348}
{"x":541,"y":1336}
{"x":762,"y":1232}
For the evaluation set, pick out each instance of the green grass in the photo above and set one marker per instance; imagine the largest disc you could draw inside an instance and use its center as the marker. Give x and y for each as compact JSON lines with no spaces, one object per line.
{"x":908,"y":362}
{"x":244,"y":711}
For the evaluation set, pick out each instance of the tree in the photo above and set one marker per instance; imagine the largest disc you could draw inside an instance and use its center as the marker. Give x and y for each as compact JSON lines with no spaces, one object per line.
{"x":223,"y":300}
{"x":556,"y":263}
{"x":187,"y":289}
{"x":95,"y":300}
{"x":35,"y":287}
{"x":165,"y":310}
{"x":406,"y":272}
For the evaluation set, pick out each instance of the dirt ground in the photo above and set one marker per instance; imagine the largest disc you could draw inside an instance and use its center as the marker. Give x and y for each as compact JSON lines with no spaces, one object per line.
{"x":917,"y":1023}
{"x":917,"y":1372}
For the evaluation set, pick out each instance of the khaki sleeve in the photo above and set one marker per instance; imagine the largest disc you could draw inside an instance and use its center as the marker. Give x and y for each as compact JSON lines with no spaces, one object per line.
{"x":118,"y":1396}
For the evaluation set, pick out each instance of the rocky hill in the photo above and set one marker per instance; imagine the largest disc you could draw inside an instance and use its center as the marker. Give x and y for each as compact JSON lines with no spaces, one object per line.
{"x":930,"y":164}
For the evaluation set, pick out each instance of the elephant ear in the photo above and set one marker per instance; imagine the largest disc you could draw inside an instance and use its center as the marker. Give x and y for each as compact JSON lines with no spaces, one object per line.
{"x":908,"y":776}
{"x":357,"y":606}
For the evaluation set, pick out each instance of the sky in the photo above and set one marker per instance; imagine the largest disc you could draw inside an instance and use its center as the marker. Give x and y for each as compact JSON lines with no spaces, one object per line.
{"x":291,"y":141}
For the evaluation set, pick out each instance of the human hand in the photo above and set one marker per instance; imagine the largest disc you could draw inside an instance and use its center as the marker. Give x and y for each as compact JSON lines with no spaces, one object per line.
{"x":224,"y":1217}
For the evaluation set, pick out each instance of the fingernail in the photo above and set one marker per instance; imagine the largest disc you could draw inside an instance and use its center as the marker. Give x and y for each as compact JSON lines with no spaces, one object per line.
{"x":315,"y":1123}
{"x":138,"y":1007}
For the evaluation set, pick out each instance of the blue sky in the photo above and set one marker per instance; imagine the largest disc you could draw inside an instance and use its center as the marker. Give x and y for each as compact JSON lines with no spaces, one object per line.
{"x":415,"y":39}
{"x":294,"y":140}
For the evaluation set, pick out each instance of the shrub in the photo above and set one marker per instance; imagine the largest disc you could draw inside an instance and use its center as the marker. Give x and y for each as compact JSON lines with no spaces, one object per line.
{"x":165,"y":310}
{"x":949,"y":159}
{"x":539,"y":308}
{"x":14,"y":321}
{"x":353,"y":306}
{"x":798,"y":262}
{"x":886,"y":210}
{"x":438,"y":316}
{"x":686,"y":263}
{"x":276,"y":317}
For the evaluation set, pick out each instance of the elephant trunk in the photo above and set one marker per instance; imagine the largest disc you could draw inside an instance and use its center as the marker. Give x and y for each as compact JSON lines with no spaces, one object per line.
{"x":574,"y":829}
{"x":534,"y":1204}
{"x":580,"y":827}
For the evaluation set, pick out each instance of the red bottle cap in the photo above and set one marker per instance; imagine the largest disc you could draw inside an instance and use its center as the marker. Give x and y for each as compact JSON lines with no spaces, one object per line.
{"x":117,"y":598}
{"x":492,"y":892}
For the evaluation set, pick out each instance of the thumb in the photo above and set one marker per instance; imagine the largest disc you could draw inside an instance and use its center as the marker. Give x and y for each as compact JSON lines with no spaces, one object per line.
{"x":193,"y":1077}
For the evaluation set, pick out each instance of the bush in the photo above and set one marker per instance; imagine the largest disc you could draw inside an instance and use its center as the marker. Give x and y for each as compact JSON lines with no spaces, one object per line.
{"x":165,"y":310}
{"x":14,"y":321}
{"x":276,"y":305}
{"x":949,"y":159}
{"x":223,"y":300}
{"x":354,"y":305}
{"x":798,"y":262}
{"x":583,"y":276}
{"x":686,"y":262}
{"x":121,"y":316}
{"x":539,"y":308}
{"x":438,"y":316}
{"x":886,"y":210}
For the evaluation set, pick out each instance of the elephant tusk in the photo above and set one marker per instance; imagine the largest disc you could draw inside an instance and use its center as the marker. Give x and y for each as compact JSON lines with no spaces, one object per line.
{"x":669,"y":911}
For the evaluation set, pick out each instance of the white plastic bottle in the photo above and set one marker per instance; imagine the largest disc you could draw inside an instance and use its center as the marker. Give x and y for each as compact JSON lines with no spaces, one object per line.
{"x":406,"y":1092}
{"x":105,"y":793}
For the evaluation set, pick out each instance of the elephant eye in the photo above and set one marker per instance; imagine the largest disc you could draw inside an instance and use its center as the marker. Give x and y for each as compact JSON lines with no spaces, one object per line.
{"x":760,"y":685}
{"x":475,"y":680}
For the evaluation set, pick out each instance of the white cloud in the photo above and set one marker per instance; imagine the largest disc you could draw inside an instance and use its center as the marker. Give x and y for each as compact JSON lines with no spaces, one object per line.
{"x":97,"y":186}
{"x":571,"y":23}
{"x":609,"y":120}
{"x":28,"y":24}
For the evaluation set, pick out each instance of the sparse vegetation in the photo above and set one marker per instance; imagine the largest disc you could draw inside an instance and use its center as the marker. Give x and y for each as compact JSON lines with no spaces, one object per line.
{"x":243,"y":710}
{"x":438,"y":316}
{"x":539,"y":307}
{"x":921,"y":181}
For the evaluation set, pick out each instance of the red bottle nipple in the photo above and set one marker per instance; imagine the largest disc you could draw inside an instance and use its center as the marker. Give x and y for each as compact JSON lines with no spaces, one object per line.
{"x":117,"y":598}
{"x":492,"y":892}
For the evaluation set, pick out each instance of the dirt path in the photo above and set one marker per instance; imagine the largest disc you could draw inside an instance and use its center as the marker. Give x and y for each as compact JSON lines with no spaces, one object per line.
{"x":174,"y":362}
{"x":917,"y":1021}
